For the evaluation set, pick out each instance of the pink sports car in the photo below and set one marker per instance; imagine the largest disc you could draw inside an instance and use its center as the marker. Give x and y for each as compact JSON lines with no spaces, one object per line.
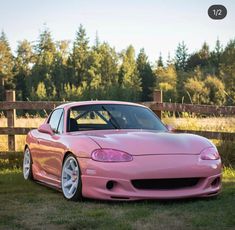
{"x":119,"y":151}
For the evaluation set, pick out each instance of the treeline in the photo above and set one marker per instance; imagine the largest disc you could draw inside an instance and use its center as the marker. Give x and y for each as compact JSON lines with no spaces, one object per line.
{"x":52,"y":70}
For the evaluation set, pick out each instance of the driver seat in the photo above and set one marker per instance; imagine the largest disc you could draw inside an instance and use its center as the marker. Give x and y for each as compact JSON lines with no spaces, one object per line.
{"x":73,"y":125}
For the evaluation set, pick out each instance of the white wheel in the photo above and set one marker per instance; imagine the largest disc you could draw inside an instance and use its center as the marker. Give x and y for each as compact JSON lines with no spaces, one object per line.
{"x":27,"y":165}
{"x":71,"y":179}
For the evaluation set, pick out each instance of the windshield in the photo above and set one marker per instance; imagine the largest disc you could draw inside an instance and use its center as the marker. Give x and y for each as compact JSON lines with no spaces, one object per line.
{"x":109,"y":116}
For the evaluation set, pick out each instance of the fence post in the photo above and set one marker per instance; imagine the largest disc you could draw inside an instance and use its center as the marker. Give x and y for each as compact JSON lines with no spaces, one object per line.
{"x":157,"y":97}
{"x":11,"y":116}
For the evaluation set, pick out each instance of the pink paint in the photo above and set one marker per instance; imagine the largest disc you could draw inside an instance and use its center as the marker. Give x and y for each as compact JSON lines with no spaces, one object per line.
{"x":165,"y":165}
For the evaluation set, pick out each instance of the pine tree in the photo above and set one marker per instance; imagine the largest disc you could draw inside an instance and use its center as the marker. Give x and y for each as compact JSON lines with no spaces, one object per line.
{"x":181,"y":57}
{"x":6,"y":65}
{"x":169,"y":60}
{"x":45,"y":53}
{"x":200,"y":58}
{"x":146,"y":76}
{"x":78,"y":60}
{"x":215,"y":59}
{"x":227,"y":71}
{"x":23,"y":66}
{"x":160,"y":61}
{"x":103,"y":72}
{"x":60,"y":70}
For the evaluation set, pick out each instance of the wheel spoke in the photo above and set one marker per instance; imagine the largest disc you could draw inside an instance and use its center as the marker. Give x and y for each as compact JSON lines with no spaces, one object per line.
{"x":74,"y":185}
{"x":26,"y":164}
{"x":68,"y":171}
{"x":68,"y":183}
{"x":72,"y":164}
{"x":70,"y":177}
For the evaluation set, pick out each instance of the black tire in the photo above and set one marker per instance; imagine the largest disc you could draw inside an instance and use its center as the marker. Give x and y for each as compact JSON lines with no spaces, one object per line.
{"x":75,"y":178}
{"x":27,"y":165}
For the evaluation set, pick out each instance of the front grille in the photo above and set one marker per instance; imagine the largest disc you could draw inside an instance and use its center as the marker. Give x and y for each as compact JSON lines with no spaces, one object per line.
{"x":172,"y":183}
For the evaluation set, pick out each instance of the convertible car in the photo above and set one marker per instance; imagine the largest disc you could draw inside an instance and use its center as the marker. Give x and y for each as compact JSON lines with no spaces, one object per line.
{"x":119,"y":151}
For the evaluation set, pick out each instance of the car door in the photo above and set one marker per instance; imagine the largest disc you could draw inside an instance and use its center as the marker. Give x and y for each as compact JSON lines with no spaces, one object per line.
{"x":51,"y":146}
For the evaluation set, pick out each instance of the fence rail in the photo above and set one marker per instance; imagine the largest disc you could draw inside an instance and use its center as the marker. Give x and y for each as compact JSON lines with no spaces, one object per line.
{"x":204,"y":109}
{"x":157,"y":105}
{"x":29,"y":105}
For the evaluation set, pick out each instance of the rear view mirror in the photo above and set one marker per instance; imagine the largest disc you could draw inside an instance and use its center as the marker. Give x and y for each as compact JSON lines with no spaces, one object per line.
{"x":46,"y":128}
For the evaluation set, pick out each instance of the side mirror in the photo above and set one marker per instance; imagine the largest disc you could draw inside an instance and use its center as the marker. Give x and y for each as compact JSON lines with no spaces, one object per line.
{"x":170,"y":128}
{"x":45,"y":128}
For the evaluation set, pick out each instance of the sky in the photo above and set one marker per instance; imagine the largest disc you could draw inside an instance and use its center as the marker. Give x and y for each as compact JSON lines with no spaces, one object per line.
{"x":155,"y":25}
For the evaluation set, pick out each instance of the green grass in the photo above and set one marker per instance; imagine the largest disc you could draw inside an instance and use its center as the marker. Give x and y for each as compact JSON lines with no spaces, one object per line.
{"x":28,"y":205}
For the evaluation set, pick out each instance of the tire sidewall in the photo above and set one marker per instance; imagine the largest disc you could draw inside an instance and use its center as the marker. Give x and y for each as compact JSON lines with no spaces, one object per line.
{"x":30,"y":175}
{"x":78,"y":194}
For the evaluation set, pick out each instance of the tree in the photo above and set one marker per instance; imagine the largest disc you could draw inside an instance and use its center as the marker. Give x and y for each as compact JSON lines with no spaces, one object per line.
{"x":182,"y":77}
{"x":160,"y":61}
{"x":97,"y":40}
{"x":169,"y":60}
{"x":41,"y":91}
{"x":146,"y":76}
{"x":204,"y":52}
{"x":196,"y":88}
{"x":130,"y":79}
{"x":166,"y":79}
{"x":216,"y":90}
{"x":104,"y":72}
{"x":216,"y":57}
{"x":6,"y":65}
{"x":73,"y":93}
{"x":45,"y":53}
{"x":200,"y":59}
{"x":23,"y":66}
{"x":60,"y":70}
{"x":227,"y":70}
{"x":78,"y":60}
{"x":181,"y":57}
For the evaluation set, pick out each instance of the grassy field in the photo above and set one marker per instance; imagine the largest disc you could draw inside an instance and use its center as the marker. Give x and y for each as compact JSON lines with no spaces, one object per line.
{"x":28,"y":205}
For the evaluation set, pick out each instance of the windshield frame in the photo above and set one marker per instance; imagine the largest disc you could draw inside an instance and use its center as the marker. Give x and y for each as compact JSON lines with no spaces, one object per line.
{"x":115,"y":127}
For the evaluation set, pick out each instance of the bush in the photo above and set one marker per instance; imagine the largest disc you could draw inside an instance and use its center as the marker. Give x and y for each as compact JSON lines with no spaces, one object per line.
{"x":227,"y":152}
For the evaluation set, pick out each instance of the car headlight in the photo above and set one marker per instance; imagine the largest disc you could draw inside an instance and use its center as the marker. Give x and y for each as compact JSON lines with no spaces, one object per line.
{"x":110,"y":155}
{"x":210,"y":153}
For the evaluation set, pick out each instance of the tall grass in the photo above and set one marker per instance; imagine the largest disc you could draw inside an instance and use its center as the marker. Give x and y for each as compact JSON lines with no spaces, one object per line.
{"x":219,"y":124}
{"x":20,"y":139}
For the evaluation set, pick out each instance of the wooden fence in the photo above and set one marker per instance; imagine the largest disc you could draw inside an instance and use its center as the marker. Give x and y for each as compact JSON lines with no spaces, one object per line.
{"x":157,"y":105}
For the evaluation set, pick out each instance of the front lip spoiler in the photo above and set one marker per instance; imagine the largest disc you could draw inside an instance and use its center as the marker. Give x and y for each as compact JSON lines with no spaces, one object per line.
{"x":125,"y":190}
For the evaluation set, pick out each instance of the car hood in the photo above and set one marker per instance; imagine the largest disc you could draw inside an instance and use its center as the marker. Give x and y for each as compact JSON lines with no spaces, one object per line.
{"x":142,"y":142}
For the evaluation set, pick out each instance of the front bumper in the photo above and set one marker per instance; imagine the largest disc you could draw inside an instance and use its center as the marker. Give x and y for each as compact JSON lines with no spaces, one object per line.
{"x":96,"y":175}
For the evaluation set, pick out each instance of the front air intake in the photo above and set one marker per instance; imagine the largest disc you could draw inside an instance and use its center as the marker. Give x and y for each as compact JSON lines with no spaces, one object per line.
{"x":161,"y":184}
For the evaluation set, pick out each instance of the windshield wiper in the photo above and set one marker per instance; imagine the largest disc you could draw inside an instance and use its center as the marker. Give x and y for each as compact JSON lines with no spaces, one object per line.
{"x":112,"y":119}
